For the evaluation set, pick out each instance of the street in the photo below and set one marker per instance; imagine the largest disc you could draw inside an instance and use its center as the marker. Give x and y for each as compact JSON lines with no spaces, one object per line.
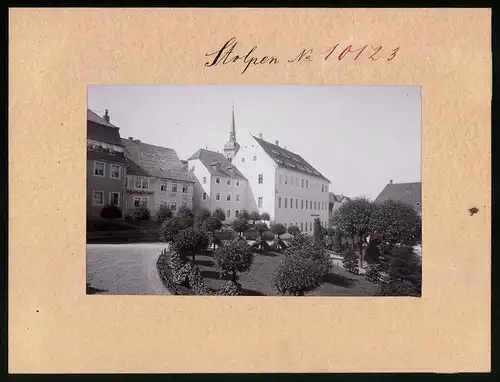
{"x":126,"y":269}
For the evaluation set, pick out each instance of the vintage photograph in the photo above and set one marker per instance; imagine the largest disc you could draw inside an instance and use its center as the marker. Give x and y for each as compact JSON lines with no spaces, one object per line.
{"x":254,"y":190}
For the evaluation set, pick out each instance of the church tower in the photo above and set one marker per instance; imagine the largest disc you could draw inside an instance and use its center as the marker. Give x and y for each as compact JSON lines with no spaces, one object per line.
{"x":231,"y":147}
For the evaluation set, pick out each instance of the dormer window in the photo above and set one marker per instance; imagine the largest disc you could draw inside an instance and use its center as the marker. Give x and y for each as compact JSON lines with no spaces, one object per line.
{"x":243,"y":160}
{"x":217,"y":180}
{"x":228,"y":182}
{"x":254,"y":158}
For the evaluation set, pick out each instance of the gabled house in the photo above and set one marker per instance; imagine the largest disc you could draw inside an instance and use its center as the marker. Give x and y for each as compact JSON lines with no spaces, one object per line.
{"x":155,"y":176}
{"x":336,"y":200}
{"x":219,"y":183}
{"x":410,"y":193}
{"x":106,"y":164}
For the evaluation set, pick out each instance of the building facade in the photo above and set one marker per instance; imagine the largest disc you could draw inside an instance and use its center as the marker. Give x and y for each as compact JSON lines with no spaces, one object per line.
{"x":155,"y":177}
{"x":106,"y":165}
{"x":283,"y":184}
{"x":335,"y":202}
{"x":219,"y":184}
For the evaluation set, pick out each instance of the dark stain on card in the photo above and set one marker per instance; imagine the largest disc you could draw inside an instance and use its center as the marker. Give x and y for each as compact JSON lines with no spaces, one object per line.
{"x":473,"y":210}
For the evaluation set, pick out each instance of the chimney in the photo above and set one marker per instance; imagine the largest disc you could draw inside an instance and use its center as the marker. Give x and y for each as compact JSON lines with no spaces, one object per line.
{"x":130,"y":138}
{"x":216,"y":165}
{"x":260,"y":135}
{"x":232,"y":170}
{"x":277,"y":143}
{"x":390,"y":181}
{"x":106,"y":116}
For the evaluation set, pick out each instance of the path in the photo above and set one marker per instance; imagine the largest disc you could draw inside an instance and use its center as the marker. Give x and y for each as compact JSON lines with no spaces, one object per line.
{"x":124,"y":269}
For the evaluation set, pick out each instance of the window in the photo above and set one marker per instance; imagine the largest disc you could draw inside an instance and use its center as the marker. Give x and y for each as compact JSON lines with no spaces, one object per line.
{"x":137,"y":182}
{"x":114,"y":198}
{"x":279,"y":202}
{"x":98,"y":169}
{"x":286,"y":179}
{"x":236,"y":213}
{"x":115,"y":171}
{"x":144,"y":201}
{"x":173,"y":206}
{"x":291,"y":203}
{"x":261,"y":178}
{"x":98,"y":198}
{"x":418,"y":204}
{"x":237,"y":183}
{"x":307,"y":183}
{"x":243,"y":160}
{"x":204,"y":196}
{"x":228,"y":214}
{"x":217,"y":196}
{"x":307,"y":204}
{"x":217,"y":180}
{"x":322,"y":188}
{"x":286,"y":202}
{"x":184,"y":188}
{"x":204,"y":180}
{"x":228,"y":197}
{"x":237,"y":197}
{"x":145,"y":183}
{"x":302,"y":204}
{"x":163,"y":187}
{"x":260,"y":202}
{"x":137,"y":201}
{"x":254,"y":158}
{"x":314,"y":205}
{"x":301,"y":227}
{"x":297,"y":203}
{"x":228,"y":182}
{"x":306,"y":226}
{"x":174,"y":187}
{"x":310,"y":226}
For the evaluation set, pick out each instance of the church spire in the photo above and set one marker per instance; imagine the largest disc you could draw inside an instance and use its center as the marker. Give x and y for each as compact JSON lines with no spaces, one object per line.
{"x":232,"y":133}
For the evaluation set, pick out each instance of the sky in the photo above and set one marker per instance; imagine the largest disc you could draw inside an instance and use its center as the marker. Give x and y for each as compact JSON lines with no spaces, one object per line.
{"x":359,"y":137}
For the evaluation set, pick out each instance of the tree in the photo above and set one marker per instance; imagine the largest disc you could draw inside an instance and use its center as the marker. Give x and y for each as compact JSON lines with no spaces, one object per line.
{"x":265,"y":217}
{"x":337,"y":242}
{"x":240,"y":225}
{"x":185,"y":211}
{"x":260,"y":243}
{"x":278,"y":229}
{"x":254,"y":217}
{"x":219,"y":214}
{"x":318,"y":231}
{"x":212,"y":225}
{"x":170,"y":229}
{"x":296,"y":275}
{"x":202,"y":215}
{"x":394,"y":222}
{"x":234,"y":258}
{"x":139,"y":214}
{"x":111,"y":212}
{"x":352,"y":219}
{"x":191,"y":240}
{"x":294,"y":230}
{"x":163,"y":213}
{"x":304,"y":246}
{"x":244,"y":214}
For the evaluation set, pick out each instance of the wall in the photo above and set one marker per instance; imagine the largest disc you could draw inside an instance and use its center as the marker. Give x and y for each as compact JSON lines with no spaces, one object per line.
{"x":200,"y":171}
{"x":296,"y":216}
{"x":224,"y":189}
{"x":251,"y":169}
{"x":106,"y":184}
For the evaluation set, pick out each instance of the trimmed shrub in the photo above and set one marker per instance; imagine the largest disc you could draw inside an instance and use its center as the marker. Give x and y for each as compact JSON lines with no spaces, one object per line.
{"x":244,"y":214}
{"x":350,"y":261}
{"x":254,"y":217}
{"x":318,"y":231}
{"x":163,"y":213}
{"x":278,"y":229}
{"x":296,"y":275}
{"x":212,"y":224}
{"x":191,"y":240}
{"x":233,"y":258}
{"x":265,"y":216}
{"x":185,"y":211}
{"x":231,"y":288}
{"x":240,"y":225}
{"x":111,"y":212}
{"x":304,"y":246}
{"x":170,"y":229}
{"x":219,"y":214}
{"x":139,"y":214}
{"x":294,"y":230}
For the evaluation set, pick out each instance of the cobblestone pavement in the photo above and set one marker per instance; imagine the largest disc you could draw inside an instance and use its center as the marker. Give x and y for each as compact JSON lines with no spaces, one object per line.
{"x":125,"y":269}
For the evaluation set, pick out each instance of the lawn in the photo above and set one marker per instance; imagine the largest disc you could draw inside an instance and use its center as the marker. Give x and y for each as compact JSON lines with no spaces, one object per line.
{"x":257,"y":282}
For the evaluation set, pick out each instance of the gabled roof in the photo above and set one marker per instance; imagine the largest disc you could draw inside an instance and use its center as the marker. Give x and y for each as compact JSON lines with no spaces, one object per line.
{"x":289,"y":160}
{"x":410,"y":193}
{"x":337,"y":198}
{"x":209,"y":158}
{"x":100,"y":130}
{"x":154,"y":161}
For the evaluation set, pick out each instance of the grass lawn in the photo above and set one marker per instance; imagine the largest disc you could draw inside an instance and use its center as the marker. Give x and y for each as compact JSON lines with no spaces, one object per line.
{"x":257,"y":282}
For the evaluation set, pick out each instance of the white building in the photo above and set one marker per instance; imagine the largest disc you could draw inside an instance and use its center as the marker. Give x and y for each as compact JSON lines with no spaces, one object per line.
{"x":219,"y":184}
